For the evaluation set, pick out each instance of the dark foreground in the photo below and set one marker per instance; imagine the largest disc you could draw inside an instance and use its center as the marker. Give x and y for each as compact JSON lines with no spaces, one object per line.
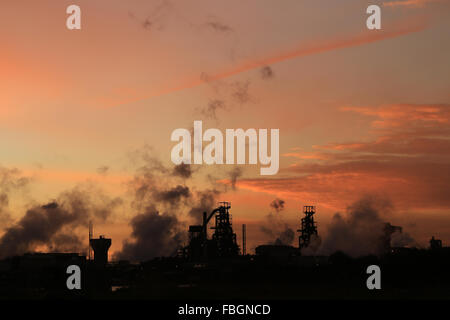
{"x":412,"y":274}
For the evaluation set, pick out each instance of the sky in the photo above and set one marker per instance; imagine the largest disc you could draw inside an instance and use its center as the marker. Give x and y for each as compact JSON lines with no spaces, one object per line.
{"x":359,"y":111}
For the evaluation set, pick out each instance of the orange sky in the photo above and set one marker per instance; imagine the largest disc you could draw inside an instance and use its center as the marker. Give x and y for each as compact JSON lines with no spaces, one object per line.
{"x":359,"y":111}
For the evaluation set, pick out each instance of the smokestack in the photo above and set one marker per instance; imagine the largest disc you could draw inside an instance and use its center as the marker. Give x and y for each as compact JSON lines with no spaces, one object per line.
{"x":205,"y":235}
{"x":91,"y":234}
{"x":244,"y":241}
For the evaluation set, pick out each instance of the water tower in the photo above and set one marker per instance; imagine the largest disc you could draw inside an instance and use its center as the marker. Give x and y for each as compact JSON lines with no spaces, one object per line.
{"x":100,"y":247}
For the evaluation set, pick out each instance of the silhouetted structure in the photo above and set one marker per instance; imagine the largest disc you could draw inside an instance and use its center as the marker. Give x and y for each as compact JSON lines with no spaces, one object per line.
{"x":389,"y":229}
{"x":275,"y":271}
{"x":435,"y":244}
{"x":224,"y":237}
{"x":308,"y":227}
{"x":91,"y":234}
{"x":197,"y":242}
{"x":100,"y":247}
{"x":279,"y":251}
{"x":244,"y":236}
{"x":223,"y":242}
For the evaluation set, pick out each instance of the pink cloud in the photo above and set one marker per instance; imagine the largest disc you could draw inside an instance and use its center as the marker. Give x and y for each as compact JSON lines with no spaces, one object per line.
{"x":408,"y":159}
{"x":409,"y":3}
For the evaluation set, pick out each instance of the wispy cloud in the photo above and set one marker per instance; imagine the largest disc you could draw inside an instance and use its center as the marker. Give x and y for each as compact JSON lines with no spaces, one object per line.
{"x":409,"y":3}
{"x":316,"y":47}
{"x":407,"y":159}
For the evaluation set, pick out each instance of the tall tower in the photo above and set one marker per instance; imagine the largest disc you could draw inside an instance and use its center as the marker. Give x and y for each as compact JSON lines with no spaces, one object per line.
{"x":91,"y":234}
{"x":308,"y":227}
{"x":100,"y":247}
{"x":224,"y":237}
{"x":244,"y":240}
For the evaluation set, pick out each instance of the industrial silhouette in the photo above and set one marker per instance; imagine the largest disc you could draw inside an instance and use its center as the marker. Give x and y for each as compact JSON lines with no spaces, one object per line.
{"x":100,"y":247}
{"x":223,"y":242}
{"x":309,"y":227}
{"x":215,"y":266}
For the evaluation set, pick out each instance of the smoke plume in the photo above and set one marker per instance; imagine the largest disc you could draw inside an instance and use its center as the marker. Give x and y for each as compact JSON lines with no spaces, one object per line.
{"x":362,"y":230}
{"x":11,"y":180}
{"x":163,"y":207}
{"x":153,"y":235}
{"x":277,"y":205}
{"x":227,"y":95}
{"x":172,"y":196}
{"x":205,"y":201}
{"x":275,"y":228}
{"x":234,"y":175}
{"x":286,"y":237}
{"x":182,"y":170}
{"x":267,"y":73}
{"x":210,"y":111}
{"x":157,"y":18}
{"x":218,"y":26}
{"x":52,"y":226}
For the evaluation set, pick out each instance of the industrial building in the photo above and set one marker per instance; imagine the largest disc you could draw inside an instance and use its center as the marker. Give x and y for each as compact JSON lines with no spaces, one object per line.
{"x":212,"y":264}
{"x":223,"y":242}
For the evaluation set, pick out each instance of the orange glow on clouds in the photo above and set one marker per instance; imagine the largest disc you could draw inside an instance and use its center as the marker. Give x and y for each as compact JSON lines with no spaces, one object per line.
{"x":396,"y":30}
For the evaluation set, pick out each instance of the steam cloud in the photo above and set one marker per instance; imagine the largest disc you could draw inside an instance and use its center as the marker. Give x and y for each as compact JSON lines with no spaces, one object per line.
{"x":182,"y":170}
{"x":10,"y":181}
{"x":277,"y":204}
{"x":156,"y":18}
{"x":234,"y":175}
{"x":218,"y":26}
{"x":172,"y":196}
{"x":163,"y":207}
{"x":363,"y":231}
{"x":267,"y":73}
{"x":206,"y":202}
{"x":210,"y":111}
{"x":275,"y":228}
{"x":286,"y":237}
{"x":52,"y":225}
{"x":154,"y":235}
{"x":226,"y":96}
